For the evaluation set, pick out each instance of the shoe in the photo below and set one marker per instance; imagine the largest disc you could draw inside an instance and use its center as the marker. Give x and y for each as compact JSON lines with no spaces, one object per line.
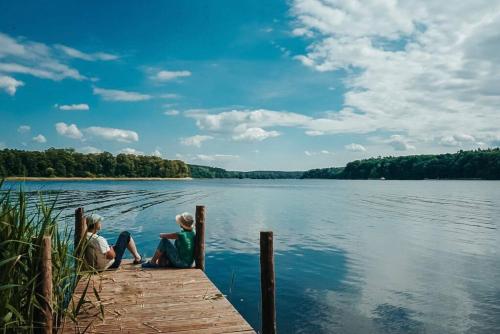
{"x":149,"y":265}
{"x":140,"y":261}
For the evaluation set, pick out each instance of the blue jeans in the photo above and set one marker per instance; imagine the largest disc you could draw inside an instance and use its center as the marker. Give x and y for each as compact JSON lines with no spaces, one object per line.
{"x":119,"y":248}
{"x":172,"y":254}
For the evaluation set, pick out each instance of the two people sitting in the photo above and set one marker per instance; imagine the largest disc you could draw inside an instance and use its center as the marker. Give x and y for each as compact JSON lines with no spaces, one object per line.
{"x":180,"y":254}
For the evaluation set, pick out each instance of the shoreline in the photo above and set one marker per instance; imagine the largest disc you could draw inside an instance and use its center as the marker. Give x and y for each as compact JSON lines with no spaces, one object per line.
{"x":21,"y":178}
{"x":42,"y":179}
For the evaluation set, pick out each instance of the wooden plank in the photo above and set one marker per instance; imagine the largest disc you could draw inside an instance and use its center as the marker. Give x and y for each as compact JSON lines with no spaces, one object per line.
{"x":156,"y":301}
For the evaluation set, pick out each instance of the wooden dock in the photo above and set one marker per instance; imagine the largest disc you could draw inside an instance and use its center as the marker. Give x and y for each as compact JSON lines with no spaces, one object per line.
{"x":136,"y":300}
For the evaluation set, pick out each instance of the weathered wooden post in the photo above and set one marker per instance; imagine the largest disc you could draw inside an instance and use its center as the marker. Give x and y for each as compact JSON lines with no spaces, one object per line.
{"x":45,"y":286}
{"x":267,"y":283}
{"x":199,"y":255}
{"x":80,"y":229}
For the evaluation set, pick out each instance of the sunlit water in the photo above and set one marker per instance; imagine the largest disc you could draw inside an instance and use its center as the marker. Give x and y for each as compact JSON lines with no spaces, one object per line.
{"x":351,"y":256}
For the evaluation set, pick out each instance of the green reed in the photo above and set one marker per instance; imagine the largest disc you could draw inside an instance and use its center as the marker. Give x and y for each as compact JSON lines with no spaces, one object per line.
{"x":21,"y":234}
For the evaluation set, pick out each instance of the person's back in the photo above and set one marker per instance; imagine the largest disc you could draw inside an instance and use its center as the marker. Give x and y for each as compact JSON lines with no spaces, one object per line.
{"x":179,"y":254}
{"x":99,"y":254}
{"x":185,"y":246}
{"x":95,"y":252}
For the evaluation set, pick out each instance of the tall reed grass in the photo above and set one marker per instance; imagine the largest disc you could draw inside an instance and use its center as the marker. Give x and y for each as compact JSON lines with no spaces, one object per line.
{"x":22,"y":229}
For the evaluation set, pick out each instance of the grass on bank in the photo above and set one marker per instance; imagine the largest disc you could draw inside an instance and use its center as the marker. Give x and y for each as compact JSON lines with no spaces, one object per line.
{"x":21,"y":234}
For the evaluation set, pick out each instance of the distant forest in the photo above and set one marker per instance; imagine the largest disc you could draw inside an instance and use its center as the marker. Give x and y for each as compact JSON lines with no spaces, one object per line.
{"x":214,"y":172}
{"x":68,"y":163}
{"x":479,"y":164}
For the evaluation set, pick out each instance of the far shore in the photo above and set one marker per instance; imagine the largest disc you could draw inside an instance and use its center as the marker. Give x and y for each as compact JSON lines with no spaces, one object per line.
{"x":21,"y":178}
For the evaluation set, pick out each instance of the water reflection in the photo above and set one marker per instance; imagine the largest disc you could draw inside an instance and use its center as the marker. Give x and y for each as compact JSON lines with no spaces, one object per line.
{"x":351,"y":256}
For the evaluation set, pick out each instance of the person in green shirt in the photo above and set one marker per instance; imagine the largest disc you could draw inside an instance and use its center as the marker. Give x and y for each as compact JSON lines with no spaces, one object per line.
{"x":180,"y":254}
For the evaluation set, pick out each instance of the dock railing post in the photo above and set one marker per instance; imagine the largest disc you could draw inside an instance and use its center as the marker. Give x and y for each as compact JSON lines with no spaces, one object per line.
{"x":45,"y":287}
{"x":267,"y":283}
{"x":80,"y":229}
{"x":199,"y":255}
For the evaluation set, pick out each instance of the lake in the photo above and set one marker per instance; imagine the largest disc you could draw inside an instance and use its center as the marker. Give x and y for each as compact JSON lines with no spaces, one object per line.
{"x":351,"y":256}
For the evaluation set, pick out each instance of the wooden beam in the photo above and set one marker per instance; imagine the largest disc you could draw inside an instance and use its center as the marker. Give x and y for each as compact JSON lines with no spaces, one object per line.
{"x":199,"y":248}
{"x":46,"y":286}
{"x":80,"y":229}
{"x":267,"y":283}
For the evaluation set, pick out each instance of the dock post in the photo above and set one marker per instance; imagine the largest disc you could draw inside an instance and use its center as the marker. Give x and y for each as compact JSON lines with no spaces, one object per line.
{"x":45,"y":286}
{"x":199,"y":255}
{"x":267,"y":283}
{"x":80,"y":229}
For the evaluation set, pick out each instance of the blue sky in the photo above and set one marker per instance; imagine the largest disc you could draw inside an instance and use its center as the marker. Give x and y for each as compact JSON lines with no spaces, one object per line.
{"x":247,"y":85}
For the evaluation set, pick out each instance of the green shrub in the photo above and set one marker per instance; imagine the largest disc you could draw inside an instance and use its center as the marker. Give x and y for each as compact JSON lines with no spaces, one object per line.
{"x":22,"y":228}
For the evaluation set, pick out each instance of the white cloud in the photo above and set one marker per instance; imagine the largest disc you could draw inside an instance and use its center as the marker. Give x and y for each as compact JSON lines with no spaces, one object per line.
{"x":458,"y":140}
{"x":132,"y":151}
{"x":247,"y":125}
{"x":322,"y":152}
{"x":119,"y":135}
{"x":171,"y":112}
{"x":195,"y":140}
{"x":215,"y":157}
{"x":9,"y":84}
{"x":170,"y":75}
{"x":156,"y":153}
{"x":400,"y":143}
{"x":120,"y":95}
{"x":74,"y":53}
{"x":425,"y":69}
{"x":2,"y":145}
{"x":449,"y":141}
{"x":302,"y":32}
{"x":23,"y":56}
{"x":81,"y":106}
{"x":244,"y":124}
{"x":40,"y":139}
{"x":24,"y":129}
{"x":70,"y":131}
{"x":314,"y":133}
{"x":465,"y":137}
{"x":255,"y":134}
{"x":355,"y":147}
{"x":169,"y":96}
{"x":89,"y":150}
{"x":244,"y":119}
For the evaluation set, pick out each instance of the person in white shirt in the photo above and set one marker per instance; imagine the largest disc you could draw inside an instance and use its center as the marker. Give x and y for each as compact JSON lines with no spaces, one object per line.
{"x":98,"y":253}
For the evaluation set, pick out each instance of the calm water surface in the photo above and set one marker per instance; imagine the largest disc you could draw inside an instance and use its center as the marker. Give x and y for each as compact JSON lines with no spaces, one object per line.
{"x":351,"y":256}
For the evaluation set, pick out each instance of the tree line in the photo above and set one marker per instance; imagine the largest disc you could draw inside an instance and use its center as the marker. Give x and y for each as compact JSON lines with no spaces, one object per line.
{"x":69,"y":163}
{"x":206,"y":172}
{"x":478,"y":164}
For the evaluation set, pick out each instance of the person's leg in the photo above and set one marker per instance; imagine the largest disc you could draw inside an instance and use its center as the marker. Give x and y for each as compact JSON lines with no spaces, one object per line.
{"x":163,"y":250}
{"x":156,"y":256}
{"x":119,"y":248}
{"x":163,"y":261}
{"x":133,"y":249}
{"x":160,"y":249}
{"x":172,"y":254}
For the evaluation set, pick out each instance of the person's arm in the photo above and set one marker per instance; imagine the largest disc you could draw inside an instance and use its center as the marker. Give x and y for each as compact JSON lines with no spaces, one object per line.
{"x":110,"y":254}
{"x":169,"y":236}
